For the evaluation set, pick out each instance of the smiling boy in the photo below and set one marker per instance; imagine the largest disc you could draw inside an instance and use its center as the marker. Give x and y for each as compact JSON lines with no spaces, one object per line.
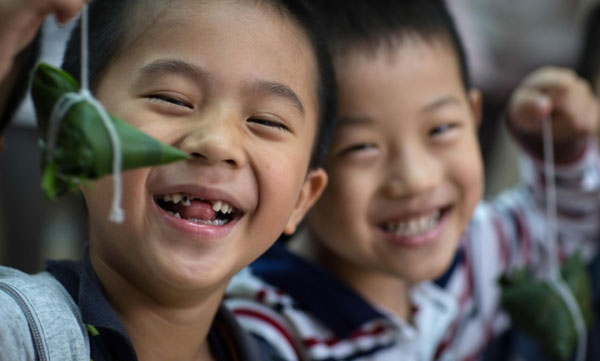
{"x":245,"y":88}
{"x":402,"y":205}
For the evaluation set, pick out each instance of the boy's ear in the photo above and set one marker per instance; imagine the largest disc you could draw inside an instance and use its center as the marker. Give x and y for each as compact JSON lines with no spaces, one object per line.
{"x":313,"y":186}
{"x":476,"y":100}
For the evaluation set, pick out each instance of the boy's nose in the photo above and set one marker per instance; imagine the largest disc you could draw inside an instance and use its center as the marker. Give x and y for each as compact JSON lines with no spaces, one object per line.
{"x":214,"y":144}
{"x":413,"y":173}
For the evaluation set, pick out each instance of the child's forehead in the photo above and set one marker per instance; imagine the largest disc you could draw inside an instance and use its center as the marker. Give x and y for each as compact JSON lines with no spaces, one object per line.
{"x":196,"y":23}
{"x":396,"y":61}
{"x":402,"y":82}
{"x":145,"y":18}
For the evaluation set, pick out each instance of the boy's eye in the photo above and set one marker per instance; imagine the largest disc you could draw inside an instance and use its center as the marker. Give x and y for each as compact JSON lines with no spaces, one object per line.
{"x":268,"y":123}
{"x":171,"y":100}
{"x":359,"y":147}
{"x":442,"y":129}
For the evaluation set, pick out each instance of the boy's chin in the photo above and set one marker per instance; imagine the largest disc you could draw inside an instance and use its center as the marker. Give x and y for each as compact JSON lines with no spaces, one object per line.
{"x":185,"y":275}
{"x":428,"y":270}
{"x":424,"y":274}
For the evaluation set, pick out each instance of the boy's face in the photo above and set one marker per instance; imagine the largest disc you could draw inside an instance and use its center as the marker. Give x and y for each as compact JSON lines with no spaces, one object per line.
{"x":404,"y":167}
{"x":235,"y":86}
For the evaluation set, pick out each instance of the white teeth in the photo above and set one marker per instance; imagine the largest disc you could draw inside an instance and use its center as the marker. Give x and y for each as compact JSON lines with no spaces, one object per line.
{"x":217,"y":206}
{"x":214,"y":222}
{"x":176,"y":215}
{"x":220,"y":206}
{"x":414,"y":226}
{"x":226,"y":208}
{"x":177,"y":198}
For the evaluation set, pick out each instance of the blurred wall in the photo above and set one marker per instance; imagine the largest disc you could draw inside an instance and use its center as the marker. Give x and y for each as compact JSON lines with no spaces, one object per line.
{"x":32,"y":228}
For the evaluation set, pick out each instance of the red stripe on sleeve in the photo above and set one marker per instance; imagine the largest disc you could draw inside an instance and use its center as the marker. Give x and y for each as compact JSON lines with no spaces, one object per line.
{"x":272,"y":322}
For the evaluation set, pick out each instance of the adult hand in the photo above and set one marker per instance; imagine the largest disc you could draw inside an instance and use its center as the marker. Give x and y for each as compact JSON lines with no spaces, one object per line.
{"x":20,"y":20}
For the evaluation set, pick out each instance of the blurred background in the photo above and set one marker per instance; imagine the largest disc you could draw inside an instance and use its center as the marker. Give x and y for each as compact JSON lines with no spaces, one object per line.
{"x":33,"y":229}
{"x":504,"y":40}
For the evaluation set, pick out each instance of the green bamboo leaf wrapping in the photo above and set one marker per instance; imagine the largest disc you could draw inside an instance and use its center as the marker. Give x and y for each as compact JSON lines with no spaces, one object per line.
{"x":83,"y":148}
{"x":542,"y":314}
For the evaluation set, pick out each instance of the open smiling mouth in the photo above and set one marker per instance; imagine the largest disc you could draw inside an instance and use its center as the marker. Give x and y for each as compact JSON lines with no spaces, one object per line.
{"x":197,"y":210}
{"x":417,"y":225}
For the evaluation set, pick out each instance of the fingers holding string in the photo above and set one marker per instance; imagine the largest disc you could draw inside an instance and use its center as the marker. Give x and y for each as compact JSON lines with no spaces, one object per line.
{"x":66,"y":10}
{"x":576,"y":109}
{"x":20,"y":21}
{"x":560,"y":94}
{"x":528,"y":107}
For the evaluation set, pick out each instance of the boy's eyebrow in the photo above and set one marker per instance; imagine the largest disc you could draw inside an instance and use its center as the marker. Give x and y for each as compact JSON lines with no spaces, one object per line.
{"x":440,"y":102}
{"x":174,"y":66}
{"x":279,"y":90}
{"x":353,"y":120}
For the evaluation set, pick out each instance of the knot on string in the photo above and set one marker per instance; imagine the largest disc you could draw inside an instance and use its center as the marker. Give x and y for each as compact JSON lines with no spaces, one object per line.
{"x":60,"y":110}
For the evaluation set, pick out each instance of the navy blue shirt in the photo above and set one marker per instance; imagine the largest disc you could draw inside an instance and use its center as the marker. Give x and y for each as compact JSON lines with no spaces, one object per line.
{"x":109,"y":340}
{"x":343,"y":310}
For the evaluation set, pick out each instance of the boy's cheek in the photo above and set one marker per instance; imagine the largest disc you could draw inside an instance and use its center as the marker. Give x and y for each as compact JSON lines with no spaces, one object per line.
{"x":137,"y":114}
{"x":348,"y":192}
{"x":99,"y":193}
{"x":472,"y":182}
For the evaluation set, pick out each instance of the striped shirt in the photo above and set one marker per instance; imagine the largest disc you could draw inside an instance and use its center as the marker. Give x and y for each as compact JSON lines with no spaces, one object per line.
{"x":305,"y":313}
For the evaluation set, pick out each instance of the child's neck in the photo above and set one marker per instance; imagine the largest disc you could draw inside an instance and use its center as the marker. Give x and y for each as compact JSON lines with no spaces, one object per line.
{"x":160,"y":330}
{"x":384,"y":291}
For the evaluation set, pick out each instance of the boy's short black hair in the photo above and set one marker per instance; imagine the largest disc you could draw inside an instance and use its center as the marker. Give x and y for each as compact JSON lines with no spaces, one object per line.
{"x":368,"y":24}
{"x":24,"y":62}
{"x":109,"y":21}
{"x":589,"y":60}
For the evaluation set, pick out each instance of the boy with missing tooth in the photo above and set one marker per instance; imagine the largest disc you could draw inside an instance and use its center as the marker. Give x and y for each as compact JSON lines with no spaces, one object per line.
{"x":245,"y":88}
{"x":403,"y":207}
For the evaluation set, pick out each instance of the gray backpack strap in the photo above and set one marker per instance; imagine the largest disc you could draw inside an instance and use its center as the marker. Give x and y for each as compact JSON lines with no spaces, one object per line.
{"x":55,"y":329}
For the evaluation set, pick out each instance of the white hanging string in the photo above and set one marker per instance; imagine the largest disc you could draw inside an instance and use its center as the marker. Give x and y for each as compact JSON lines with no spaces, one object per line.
{"x":116,"y":212}
{"x":555,"y":280}
{"x":68,"y":100}
{"x":84,"y":49}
